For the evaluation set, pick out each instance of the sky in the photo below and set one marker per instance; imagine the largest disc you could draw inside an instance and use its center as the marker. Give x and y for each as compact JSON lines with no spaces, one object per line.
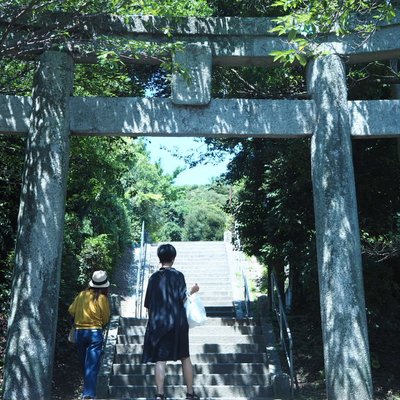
{"x":199,"y":175}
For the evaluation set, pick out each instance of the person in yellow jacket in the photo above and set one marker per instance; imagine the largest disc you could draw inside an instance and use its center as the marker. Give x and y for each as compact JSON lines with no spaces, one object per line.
{"x":91,"y":312}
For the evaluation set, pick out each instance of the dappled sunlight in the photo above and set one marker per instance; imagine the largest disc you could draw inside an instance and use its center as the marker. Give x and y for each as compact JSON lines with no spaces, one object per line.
{"x":222,"y":117}
{"x":14,"y":114}
{"x":344,"y":327}
{"x":34,"y":298}
{"x":366,"y":118}
{"x":329,"y":119}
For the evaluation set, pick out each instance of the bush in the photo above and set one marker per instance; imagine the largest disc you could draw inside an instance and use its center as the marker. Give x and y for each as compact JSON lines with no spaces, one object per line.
{"x":95,"y":254}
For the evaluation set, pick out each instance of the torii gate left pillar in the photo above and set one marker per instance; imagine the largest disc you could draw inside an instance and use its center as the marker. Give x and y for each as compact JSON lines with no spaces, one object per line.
{"x":35,"y":287}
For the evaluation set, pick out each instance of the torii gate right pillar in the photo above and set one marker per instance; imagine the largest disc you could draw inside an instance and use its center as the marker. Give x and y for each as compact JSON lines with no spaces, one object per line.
{"x":344,"y":323}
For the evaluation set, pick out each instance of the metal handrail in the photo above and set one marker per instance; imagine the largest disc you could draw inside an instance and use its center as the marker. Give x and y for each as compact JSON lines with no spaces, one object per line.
{"x":246,"y":294}
{"x":246,"y":290}
{"x":141,"y":273}
{"x":286,"y":341}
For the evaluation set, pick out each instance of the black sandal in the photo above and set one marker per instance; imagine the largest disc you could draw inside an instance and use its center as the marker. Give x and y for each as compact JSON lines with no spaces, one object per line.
{"x":192,"y":396}
{"x":160,"y":397}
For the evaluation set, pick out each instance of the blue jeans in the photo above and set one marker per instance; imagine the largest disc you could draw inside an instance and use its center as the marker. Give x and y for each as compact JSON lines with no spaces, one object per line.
{"x":89,"y":343}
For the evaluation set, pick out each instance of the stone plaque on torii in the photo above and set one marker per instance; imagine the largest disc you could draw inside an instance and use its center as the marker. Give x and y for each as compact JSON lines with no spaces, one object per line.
{"x":52,"y":114}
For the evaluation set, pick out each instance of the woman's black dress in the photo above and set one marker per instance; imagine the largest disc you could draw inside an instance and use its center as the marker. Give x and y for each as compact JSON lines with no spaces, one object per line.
{"x":167,"y":332}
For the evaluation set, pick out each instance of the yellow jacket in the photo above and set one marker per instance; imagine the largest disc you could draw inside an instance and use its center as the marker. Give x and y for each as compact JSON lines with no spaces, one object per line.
{"x":88,"y":313}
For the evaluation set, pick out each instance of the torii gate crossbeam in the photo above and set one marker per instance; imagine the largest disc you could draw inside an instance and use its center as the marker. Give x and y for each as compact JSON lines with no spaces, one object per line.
{"x":135,"y":116}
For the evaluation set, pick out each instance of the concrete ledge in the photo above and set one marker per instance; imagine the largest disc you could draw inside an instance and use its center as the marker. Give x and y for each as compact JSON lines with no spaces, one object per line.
{"x":115,"y":303}
{"x":274,"y":363}
{"x":281,"y":386}
{"x":279,"y":380}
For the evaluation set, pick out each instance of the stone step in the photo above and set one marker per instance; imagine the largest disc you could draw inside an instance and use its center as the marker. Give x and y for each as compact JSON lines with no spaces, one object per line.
{"x":220,"y":269}
{"x":189,"y":244}
{"x":210,"y":302}
{"x":198,"y":368}
{"x":197,"y":348}
{"x":204,"y":263}
{"x":194,"y":252}
{"x":201,"y":244}
{"x":222,"y":276}
{"x":217,"y":330}
{"x":129,"y":358}
{"x":220,"y":281}
{"x":213,"y":265}
{"x":180,"y":398}
{"x":221,"y":284}
{"x":187,"y":257}
{"x":198,"y":267}
{"x":213,"y":279}
{"x":203,"y":380}
{"x":215,"y":322}
{"x":219,"y":311}
{"x":216,"y":297}
{"x":200,"y":254}
{"x":212,"y":289}
{"x":221,"y":391}
{"x":213,"y":302}
{"x":196,"y":338}
{"x":212,"y":292}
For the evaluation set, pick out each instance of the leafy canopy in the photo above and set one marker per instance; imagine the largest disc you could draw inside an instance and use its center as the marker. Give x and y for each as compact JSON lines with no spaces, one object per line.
{"x":304,"y":22}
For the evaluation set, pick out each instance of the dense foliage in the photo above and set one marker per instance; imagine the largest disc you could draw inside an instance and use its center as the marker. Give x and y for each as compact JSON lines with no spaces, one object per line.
{"x":303,"y":22}
{"x":113,"y":186}
{"x":197,"y":214}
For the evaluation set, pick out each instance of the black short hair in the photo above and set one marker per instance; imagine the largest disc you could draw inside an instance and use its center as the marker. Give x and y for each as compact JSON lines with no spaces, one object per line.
{"x":166,"y":253}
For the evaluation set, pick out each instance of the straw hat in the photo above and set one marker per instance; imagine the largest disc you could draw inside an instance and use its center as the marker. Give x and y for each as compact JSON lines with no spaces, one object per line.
{"x":99,"y":280}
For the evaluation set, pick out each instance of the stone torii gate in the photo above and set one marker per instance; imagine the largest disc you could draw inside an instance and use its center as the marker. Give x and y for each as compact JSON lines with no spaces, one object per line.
{"x":51,"y":115}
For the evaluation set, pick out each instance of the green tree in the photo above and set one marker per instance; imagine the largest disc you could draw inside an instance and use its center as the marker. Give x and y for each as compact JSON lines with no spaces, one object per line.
{"x":304,"y":22}
{"x":197,"y":213}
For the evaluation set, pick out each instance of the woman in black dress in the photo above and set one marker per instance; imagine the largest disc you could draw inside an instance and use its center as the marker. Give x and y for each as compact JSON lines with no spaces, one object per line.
{"x":167,"y":332}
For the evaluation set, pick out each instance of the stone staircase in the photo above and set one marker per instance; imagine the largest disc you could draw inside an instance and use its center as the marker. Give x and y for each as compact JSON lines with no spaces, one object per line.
{"x":230,"y":356}
{"x":205,"y":263}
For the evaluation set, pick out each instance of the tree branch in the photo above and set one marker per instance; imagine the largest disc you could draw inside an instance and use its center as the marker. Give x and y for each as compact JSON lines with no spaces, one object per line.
{"x":19,"y":15}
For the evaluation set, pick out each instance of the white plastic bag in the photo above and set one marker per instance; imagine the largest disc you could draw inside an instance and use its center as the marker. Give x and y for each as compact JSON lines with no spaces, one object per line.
{"x":195,"y":311}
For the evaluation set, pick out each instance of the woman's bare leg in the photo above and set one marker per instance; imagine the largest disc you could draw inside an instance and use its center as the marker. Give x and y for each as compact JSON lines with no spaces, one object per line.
{"x":160,"y":376}
{"x":187,"y":369}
